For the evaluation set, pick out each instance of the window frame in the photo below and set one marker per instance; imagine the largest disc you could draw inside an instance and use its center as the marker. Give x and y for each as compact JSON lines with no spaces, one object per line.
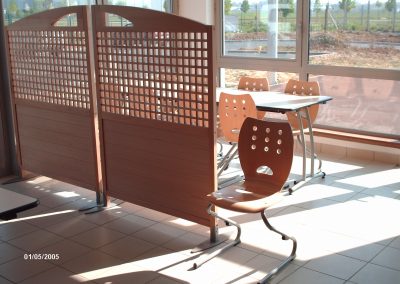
{"x":301,"y":64}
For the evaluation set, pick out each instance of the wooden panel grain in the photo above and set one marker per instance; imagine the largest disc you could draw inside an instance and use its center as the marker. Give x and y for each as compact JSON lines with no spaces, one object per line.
{"x":57,"y":144}
{"x":169,"y":169}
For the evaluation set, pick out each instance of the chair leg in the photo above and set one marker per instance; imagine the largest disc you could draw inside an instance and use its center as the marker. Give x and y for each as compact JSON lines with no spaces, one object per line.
{"x":224,"y":164}
{"x":221,"y":249}
{"x":309,"y":153}
{"x":288,"y":259}
{"x":220,"y":150}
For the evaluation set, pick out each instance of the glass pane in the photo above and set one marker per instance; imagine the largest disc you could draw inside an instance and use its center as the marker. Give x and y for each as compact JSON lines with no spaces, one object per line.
{"x":259,"y":28}
{"x":113,"y":20}
{"x":13,"y":10}
{"x":360,"y":104}
{"x":70,"y":20}
{"x":159,"y":5}
{"x":276,"y":80}
{"x":354,"y":33}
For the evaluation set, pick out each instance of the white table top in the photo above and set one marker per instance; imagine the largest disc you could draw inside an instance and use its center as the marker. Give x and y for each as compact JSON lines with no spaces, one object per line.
{"x":13,"y":202}
{"x":277,"y":101}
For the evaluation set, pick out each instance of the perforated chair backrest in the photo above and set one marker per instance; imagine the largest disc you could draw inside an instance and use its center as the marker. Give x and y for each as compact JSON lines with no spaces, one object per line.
{"x":253,"y":84}
{"x":233,"y":110}
{"x":266,"y":144}
{"x":302,"y":88}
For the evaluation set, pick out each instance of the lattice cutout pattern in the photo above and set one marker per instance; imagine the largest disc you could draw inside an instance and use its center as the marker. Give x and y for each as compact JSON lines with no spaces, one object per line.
{"x":50,"y":67}
{"x":155,"y":75}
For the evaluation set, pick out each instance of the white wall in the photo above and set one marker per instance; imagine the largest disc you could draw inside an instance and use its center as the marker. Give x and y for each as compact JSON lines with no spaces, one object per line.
{"x":197,"y":10}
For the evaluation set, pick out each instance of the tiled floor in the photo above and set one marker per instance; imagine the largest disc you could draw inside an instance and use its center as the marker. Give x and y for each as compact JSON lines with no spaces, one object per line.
{"x":347,"y":227}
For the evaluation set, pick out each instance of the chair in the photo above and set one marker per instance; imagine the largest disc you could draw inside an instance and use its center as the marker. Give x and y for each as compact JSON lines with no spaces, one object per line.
{"x":303,"y":88}
{"x":254,"y":85}
{"x":233,"y":110}
{"x":262,"y":145}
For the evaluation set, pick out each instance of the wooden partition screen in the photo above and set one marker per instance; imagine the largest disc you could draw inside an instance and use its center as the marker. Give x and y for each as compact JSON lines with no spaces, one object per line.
{"x":52,"y":95}
{"x":156,"y":109}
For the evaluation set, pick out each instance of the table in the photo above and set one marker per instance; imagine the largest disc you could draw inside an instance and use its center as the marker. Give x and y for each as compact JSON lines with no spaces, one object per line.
{"x":281,"y":103}
{"x":12,"y":202}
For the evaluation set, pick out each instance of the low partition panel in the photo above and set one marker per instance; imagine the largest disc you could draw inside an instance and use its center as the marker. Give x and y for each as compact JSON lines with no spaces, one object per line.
{"x":156,"y":109}
{"x":52,"y":95}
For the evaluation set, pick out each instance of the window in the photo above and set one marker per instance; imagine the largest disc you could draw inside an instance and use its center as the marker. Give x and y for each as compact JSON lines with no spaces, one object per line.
{"x":352,"y":47}
{"x":276,"y":80}
{"x":263,"y":29}
{"x":361,"y":104}
{"x":159,"y":5}
{"x":13,"y":10}
{"x":353,"y":33}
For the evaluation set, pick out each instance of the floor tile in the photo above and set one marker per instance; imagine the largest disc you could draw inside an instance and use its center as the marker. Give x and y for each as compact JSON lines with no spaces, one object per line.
{"x":103,"y":217}
{"x":395,"y":243}
{"x":225,"y":267}
{"x":9,"y":252}
{"x":304,"y":275}
{"x":159,"y":233}
{"x":52,"y":216}
{"x":127,"y":248}
{"x":59,"y":198}
{"x":91,"y":263}
{"x":165,"y":280}
{"x":343,"y":234}
{"x":129,"y":224}
{"x":55,"y":275}
{"x":389,"y":257}
{"x":33,"y":213}
{"x":336,"y":265}
{"x":97,"y":237}
{"x":15,"y":229}
{"x":71,"y":227}
{"x":36,"y":240}
{"x":153,"y":215}
{"x":64,"y":251}
{"x":261,"y":265}
{"x":185,"y":242}
{"x":126,"y":273}
{"x":21,"y":269}
{"x":372,"y":274}
{"x":4,"y":281}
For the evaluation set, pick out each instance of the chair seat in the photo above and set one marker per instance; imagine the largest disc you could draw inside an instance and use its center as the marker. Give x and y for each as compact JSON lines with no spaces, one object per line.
{"x":240,"y":197}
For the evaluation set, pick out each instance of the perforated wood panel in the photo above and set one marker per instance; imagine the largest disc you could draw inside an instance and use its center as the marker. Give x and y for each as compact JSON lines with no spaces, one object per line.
{"x":50,"y":66}
{"x":52,"y":95}
{"x":155,"y":75}
{"x":155,"y":93}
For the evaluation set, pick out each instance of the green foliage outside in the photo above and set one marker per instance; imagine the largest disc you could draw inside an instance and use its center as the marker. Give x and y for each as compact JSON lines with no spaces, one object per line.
{"x":390,"y":5}
{"x":245,"y":6}
{"x":353,"y":17}
{"x":227,"y":7}
{"x":286,"y":7}
{"x":346,"y":6}
{"x":317,"y":7}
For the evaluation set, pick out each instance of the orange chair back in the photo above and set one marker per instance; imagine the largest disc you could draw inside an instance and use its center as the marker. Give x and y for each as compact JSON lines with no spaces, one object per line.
{"x":302,"y":88}
{"x":253,"y":84}
{"x":262,"y":145}
{"x":233,"y":110}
